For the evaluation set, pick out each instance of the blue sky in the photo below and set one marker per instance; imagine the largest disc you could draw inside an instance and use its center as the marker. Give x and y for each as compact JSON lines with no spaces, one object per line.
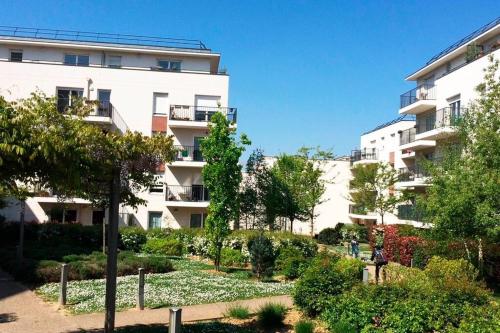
{"x":302,"y":72}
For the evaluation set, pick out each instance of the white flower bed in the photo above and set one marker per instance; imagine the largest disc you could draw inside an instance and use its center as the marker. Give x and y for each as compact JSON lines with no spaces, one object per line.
{"x":179,"y":288}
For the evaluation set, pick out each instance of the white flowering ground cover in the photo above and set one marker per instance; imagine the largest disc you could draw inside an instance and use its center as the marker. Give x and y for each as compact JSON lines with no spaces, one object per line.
{"x":187,"y":286}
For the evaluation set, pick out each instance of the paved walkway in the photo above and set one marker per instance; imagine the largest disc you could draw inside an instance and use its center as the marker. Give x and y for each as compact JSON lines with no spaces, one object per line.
{"x":21,"y":311}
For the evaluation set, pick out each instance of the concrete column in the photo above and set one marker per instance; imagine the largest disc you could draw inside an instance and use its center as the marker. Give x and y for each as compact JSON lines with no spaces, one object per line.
{"x":63,"y":284}
{"x":175,"y":320}
{"x":411,"y":262}
{"x":366,"y":275}
{"x":140,"y":290}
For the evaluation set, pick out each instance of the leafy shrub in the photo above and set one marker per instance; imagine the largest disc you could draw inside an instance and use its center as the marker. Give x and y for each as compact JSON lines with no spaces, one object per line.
{"x":261,"y":256}
{"x":132,"y":238}
{"x":238,"y":312}
{"x":479,"y":319}
{"x":291,"y":263}
{"x":342,"y":327}
{"x":329,"y":236}
{"x":304,"y":326}
{"x":326,"y":276}
{"x":163,"y":246}
{"x":73,"y":257}
{"x":348,"y":231}
{"x":271,"y":315}
{"x":48,"y":270}
{"x":232,"y":258}
{"x":158,"y":233}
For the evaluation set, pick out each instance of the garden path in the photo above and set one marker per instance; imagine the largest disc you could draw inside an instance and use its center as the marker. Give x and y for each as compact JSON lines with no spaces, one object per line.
{"x":21,"y":311}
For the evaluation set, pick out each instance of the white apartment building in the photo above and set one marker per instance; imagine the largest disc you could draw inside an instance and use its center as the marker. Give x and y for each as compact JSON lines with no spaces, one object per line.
{"x":445,"y":86}
{"x":380,"y":145}
{"x":145,"y":84}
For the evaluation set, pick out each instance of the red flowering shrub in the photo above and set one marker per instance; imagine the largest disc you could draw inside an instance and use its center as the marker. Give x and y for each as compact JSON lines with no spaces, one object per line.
{"x":391,"y":243}
{"x":407,"y":247}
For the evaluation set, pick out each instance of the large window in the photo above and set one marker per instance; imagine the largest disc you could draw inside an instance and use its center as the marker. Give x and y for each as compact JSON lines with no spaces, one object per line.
{"x":169,"y":65}
{"x":66,"y":97}
{"x":196,"y":221}
{"x":76,"y":59}
{"x":154,"y":220}
{"x":16,"y":55}
{"x":115,"y":61}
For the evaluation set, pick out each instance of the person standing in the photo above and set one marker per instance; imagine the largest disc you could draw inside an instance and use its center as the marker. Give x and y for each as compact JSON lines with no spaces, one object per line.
{"x":379,"y":258}
{"x":355,"y":247}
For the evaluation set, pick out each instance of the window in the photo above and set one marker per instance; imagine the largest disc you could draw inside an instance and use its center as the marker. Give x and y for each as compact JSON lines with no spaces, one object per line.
{"x":196,"y":221}
{"x":158,"y":185}
{"x":16,"y":55}
{"x":115,"y":61}
{"x":161,"y":104}
{"x":169,"y":65}
{"x":76,"y":59}
{"x":66,"y":97}
{"x":154,"y":220}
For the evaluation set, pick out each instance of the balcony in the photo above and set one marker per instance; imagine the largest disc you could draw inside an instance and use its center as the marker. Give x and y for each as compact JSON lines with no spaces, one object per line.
{"x":410,"y":213}
{"x":439,"y":124}
{"x":187,"y":196}
{"x":188,"y":156}
{"x":414,"y":176}
{"x":408,"y":142}
{"x":418,"y":100}
{"x":188,"y":116}
{"x":364,"y":156}
{"x":360,"y":212}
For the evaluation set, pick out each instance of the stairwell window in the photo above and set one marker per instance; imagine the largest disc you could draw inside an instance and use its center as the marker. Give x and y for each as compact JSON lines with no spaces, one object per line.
{"x":76,"y":59}
{"x":16,"y":55}
{"x":169,"y":65}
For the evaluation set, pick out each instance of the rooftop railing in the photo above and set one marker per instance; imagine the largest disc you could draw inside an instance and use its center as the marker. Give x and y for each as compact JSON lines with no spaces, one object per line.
{"x":193,"y":193}
{"x":445,"y":117}
{"x":200,"y":113}
{"x":100,"y":37}
{"x":364,"y":154}
{"x":424,"y":91}
{"x":407,"y":136}
{"x":188,"y":153}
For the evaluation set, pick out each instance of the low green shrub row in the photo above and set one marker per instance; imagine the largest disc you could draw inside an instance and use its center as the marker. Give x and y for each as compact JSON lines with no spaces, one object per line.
{"x":343,"y":233}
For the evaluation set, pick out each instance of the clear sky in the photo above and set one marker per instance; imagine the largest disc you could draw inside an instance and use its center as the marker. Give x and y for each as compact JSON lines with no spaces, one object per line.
{"x":302,"y":72}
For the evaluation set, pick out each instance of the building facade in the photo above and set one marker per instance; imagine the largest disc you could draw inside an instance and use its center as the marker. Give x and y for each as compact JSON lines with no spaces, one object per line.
{"x":146,"y":84}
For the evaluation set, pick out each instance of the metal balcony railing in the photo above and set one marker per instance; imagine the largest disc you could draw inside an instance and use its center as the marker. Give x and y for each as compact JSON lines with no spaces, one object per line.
{"x":407,"y":136}
{"x":424,"y":91}
{"x":364,"y":154}
{"x":194,"y":193}
{"x":188,"y":153}
{"x":445,"y":117}
{"x":410,"y":212}
{"x":412,"y":173}
{"x":200,"y":113}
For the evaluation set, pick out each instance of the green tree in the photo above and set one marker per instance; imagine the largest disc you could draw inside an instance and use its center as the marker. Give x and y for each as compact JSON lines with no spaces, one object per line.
{"x":374,"y":189}
{"x":463,"y":201}
{"x":250,"y":203}
{"x":222,"y":178}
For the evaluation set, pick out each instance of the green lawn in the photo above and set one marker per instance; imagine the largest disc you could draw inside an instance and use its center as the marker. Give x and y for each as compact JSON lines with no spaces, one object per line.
{"x":188,"y":285}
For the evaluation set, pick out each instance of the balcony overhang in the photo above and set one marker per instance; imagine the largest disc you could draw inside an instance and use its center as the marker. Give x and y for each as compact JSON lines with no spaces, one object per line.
{"x":192,"y":204}
{"x":419,"y":106}
{"x":416,"y":183}
{"x":100,"y":120}
{"x":54,"y":199}
{"x":437,"y":133}
{"x":362,"y":217}
{"x":418,"y":145}
{"x":408,"y":155}
{"x":187,"y":164}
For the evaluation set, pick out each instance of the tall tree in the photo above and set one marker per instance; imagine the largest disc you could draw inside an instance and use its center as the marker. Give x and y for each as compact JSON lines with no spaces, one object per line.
{"x":463,"y":201}
{"x":222,"y":178}
{"x":374,"y":186}
{"x":250,"y":203}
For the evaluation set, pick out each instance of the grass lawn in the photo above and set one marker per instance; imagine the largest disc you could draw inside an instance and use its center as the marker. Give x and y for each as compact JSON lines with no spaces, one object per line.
{"x":190,"y":284}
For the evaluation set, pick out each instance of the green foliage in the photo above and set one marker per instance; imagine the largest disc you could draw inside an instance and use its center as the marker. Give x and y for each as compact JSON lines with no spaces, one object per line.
{"x":132,"y":238}
{"x":262,"y":256}
{"x":304,"y":326}
{"x":348,"y":231}
{"x":329,"y":236}
{"x":291,"y":262}
{"x":271,"y":315}
{"x":326,"y":276}
{"x":232,"y":258}
{"x":163,"y":246}
{"x":238,"y":311}
{"x":222,"y":178}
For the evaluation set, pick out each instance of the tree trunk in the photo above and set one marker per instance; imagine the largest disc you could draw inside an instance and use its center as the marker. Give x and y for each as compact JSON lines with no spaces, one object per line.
{"x":291,"y":226}
{"x":312,"y":222}
{"x":20,"y":248}
{"x":109,"y":323}
{"x":480,"y":258}
{"x":467,"y":251}
{"x":382,"y":216}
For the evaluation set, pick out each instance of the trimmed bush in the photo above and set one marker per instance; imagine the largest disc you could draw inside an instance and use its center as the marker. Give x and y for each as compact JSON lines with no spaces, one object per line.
{"x":163,"y":246}
{"x":271,"y":315}
{"x":238,"y":312}
{"x":330,"y":236}
{"x":348,"y":231}
{"x":232,"y":258}
{"x":261,"y":256}
{"x":291,"y":263}
{"x":304,"y":326}
{"x":326,"y":276}
{"x":132,"y":238}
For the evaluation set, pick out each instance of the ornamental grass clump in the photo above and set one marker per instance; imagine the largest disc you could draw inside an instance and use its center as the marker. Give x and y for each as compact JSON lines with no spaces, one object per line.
{"x":238,"y":311}
{"x":271,"y":315}
{"x":304,"y":326}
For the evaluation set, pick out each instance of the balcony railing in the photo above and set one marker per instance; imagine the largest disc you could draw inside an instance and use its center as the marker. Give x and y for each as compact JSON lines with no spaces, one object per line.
{"x":188,"y":153}
{"x":411,"y":173}
{"x":357,"y":209}
{"x":365,"y":154}
{"x":445,"y":117}
{"x":407,"y":136}
{"x":194,"y":193}
{"x":200,"y":113}
{"x":410,"y":212}
{"x":423,"y":92}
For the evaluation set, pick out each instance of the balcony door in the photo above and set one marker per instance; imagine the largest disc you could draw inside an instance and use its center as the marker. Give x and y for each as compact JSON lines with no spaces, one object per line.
{"x":104,"y":97}
{"x":66,"y":97}
{"x":197,"y":150}
{"x":454,"y":112}
{"x":205,"y":107}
